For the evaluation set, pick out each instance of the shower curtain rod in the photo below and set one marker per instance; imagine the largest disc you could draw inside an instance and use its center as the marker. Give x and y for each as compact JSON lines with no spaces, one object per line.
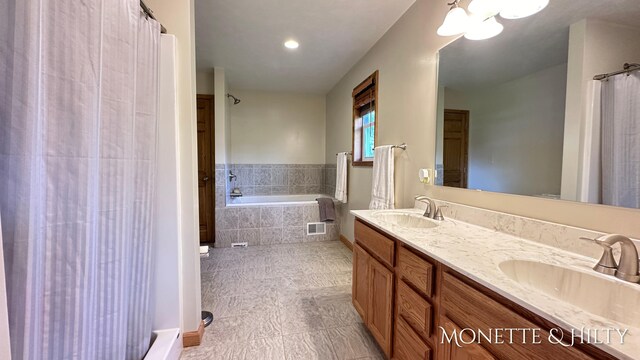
{"x":627,"y":68}
{"x":149,"y":13}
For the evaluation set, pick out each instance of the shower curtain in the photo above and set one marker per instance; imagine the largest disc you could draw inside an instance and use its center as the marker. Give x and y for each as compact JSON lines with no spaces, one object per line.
{"x":78,"y":103}
{"x":621,"y":140}
{"x":589,"y":168}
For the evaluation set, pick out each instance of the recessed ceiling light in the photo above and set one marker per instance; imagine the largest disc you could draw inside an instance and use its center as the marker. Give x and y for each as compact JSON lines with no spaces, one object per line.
{"x":291,"y":44}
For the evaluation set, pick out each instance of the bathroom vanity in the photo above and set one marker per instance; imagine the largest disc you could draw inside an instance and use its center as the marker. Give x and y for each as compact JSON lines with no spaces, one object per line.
{"x":418,"y":283}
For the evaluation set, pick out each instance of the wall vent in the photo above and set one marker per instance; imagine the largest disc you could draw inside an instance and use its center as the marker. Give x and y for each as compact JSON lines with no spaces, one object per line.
{"x":239,"y":245}
{"x":316,"y":228}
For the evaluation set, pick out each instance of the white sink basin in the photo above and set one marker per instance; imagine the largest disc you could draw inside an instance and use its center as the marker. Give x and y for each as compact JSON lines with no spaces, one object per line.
{"x":407,"y":220}
{"x":610,"y":298}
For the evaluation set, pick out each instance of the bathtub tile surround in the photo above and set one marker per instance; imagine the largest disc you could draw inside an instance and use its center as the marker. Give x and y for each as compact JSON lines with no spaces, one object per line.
{"x":330,"y":179}
{"x":271,"y":216}
{"x":292,"y":215}
{"x":290,"y":301}
{"x":270,"y":224}
{"x":249,"y":217}
{"x":552,"y":234}
{"x":221,"y":185}
{"x":278,"y":179}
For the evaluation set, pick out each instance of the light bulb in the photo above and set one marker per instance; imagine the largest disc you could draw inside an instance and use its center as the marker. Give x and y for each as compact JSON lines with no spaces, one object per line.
{"x":486,"y":8}
{"x":456,"y":22}
{"x":518,"y":9}
{"x":484,"y":29}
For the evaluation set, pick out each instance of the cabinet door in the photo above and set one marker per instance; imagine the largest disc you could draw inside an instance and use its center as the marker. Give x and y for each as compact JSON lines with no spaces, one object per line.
{"x":380,"y":309}
{"x":360,"y":281}
{"x":451,"y":350}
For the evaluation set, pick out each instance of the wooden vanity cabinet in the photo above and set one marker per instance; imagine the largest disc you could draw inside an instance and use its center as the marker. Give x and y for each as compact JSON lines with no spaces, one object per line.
{"x":373,"y":283}
{"x":406,"y":300}
{"x":451,"y":350}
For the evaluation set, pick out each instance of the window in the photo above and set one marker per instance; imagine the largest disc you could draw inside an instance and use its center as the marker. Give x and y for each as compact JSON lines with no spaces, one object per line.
{"x":365,"y":106}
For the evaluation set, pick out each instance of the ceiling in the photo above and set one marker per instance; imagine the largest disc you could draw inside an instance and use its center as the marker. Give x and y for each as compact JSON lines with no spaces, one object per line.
{"x":245,"y":37}
{"x":527,"y":45}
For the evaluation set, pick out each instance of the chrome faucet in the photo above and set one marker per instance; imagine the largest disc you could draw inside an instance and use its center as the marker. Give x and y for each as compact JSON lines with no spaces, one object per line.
{"x":627,"y":270}
{"x":432,"y":211}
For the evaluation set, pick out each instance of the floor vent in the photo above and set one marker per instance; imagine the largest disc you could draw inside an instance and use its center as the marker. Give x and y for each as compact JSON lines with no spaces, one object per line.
{"x":316,"y":228}
{"x":239,"y":245}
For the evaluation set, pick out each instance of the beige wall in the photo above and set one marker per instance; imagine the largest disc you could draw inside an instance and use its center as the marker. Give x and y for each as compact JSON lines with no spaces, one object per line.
{"x":277,"y":128}
{"x":214,"y":82}
{"x":223,"y":127}
{"x":205,"y":83}
{"x":406,"y":58}
{"x":515,"y":132}
{"x":178,"y":17}
{"x":595,"y":47}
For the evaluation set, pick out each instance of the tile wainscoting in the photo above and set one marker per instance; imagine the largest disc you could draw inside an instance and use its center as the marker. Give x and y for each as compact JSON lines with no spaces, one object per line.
{"x":278,"y":179}
{"x":269,"y":225}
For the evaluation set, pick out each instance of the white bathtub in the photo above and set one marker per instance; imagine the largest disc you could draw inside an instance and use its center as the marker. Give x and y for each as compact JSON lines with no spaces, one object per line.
{"x":267,"y":200}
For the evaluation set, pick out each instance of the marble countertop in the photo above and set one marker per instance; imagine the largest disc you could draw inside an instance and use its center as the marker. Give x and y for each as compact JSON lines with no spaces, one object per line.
{"x":476,"y":252}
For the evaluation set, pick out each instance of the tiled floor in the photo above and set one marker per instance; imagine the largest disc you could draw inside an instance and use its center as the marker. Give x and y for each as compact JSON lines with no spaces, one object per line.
{"x":290,"y":301}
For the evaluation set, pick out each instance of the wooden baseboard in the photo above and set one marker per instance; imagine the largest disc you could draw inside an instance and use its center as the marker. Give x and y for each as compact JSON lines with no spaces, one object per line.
{"x":193,"y":338}
{"x":346,"y":242}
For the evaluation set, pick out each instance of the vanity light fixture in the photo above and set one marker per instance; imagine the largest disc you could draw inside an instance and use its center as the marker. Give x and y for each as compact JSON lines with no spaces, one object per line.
{"x":456,"y":22}
{"x":291,"y":44}
{"x":482,"y":23}
{"x":484,"y":30}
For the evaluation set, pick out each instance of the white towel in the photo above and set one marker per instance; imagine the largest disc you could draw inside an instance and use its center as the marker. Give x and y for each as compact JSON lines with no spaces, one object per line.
{"x":382,"y":183}
{"x":341,"y":178}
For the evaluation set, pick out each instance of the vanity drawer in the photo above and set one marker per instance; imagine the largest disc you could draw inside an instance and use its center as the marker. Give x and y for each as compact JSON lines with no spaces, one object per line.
{"x":472,"y":308}
{"x":415,"y":271}
{"x":408,"y":345}
{"x":376,"y":243}
{"x":414,"y":309}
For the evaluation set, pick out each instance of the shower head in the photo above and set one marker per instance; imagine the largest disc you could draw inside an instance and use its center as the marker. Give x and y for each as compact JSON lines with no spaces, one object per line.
{"x":236,"y":101}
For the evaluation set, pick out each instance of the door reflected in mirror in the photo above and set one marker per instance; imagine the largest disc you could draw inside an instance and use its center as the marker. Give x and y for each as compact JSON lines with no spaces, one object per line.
{"x":522,"y":114}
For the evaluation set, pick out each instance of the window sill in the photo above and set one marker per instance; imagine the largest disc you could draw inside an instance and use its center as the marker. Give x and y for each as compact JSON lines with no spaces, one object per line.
{"x":362,"y":163}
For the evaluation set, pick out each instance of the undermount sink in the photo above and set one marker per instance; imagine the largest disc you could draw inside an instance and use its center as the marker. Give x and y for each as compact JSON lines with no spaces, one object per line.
{"x":406,"y":220}
{"x":610,"y":298}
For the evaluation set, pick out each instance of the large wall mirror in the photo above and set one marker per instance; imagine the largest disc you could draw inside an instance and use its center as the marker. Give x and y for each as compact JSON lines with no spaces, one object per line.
{"x":521,"y":113}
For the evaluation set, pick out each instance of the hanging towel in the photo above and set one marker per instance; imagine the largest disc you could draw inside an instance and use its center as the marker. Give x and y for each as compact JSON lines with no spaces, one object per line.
{"x":341,"y":178}
{"x":382,"y":183}
{"x":327,"y":209}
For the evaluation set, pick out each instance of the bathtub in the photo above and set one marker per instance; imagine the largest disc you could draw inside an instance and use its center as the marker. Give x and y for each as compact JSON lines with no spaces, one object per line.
{"x":273,"y":219}
{"x":268,"y":200}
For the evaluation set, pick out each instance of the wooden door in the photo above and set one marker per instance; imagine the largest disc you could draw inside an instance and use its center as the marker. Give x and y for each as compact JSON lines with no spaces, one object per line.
{"x":360,"y":281}
{"x":206,"y":169}
{"x":380,"y":309}
{"x":456,"y":148}
{"x":451,"y":350}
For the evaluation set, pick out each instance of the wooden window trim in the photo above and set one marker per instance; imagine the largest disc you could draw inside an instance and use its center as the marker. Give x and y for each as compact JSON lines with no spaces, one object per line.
{"x":370,"y":81}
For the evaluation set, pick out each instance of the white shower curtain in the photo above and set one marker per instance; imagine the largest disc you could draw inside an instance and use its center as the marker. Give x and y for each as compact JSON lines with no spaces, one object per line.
{"x":78,"y":103}
{"x":621,"y":140}
{"x":589,"y":189}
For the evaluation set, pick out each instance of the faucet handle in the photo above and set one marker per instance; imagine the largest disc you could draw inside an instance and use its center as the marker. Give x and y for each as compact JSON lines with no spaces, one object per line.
{"x":438,"y":216}
{"x":607,"y":264}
